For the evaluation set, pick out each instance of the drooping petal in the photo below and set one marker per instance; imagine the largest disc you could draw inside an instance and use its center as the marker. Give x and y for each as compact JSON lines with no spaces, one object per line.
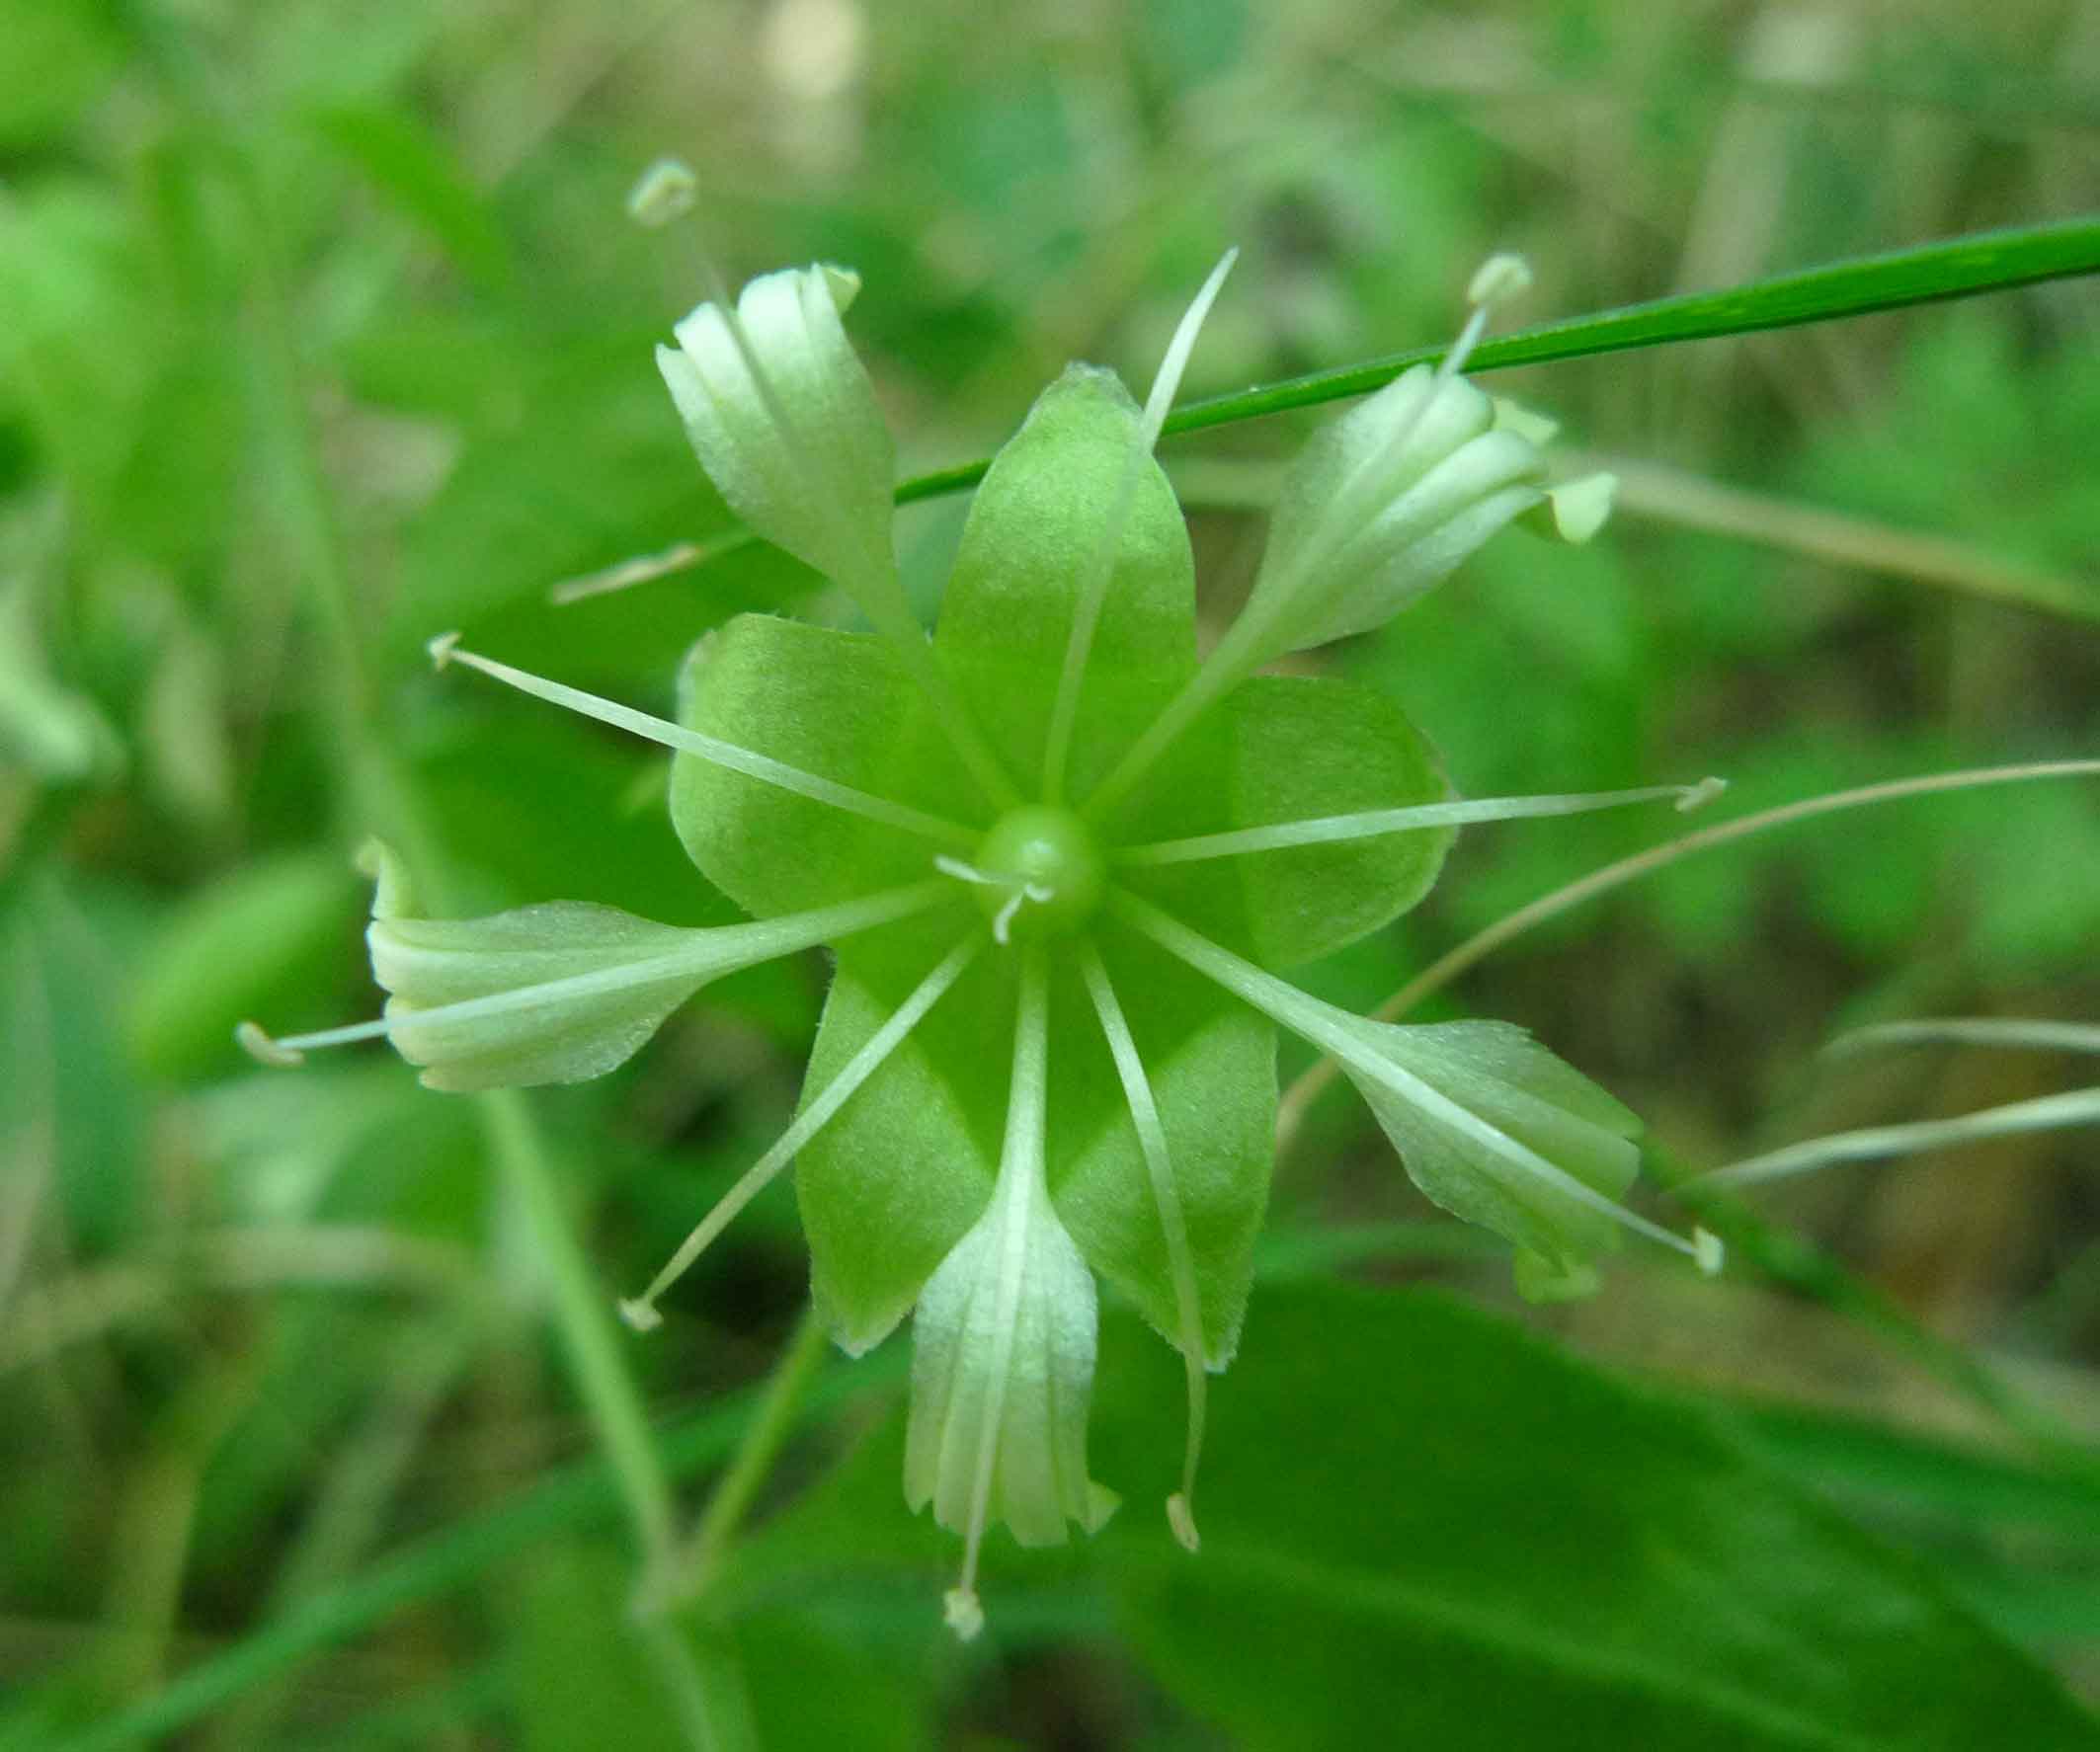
{"x":783,"y":418}
{"x":1009,"y":1317}
{"x":1490,"y":1124}
{"x":1005,"y":1338}
{"x":564,"y":990}
{"x":1382,"y":504}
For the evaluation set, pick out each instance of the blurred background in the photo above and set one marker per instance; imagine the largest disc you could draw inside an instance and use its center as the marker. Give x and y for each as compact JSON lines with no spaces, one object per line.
{"x":323,"y":329}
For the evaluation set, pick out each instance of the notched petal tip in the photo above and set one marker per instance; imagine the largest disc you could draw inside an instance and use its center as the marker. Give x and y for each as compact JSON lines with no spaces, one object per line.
{"x":1580,"y":508}
{"x":259,"y":1047}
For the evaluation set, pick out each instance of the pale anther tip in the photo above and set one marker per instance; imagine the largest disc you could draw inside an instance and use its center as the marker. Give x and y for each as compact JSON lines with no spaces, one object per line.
{"x":1708,"y":1253}
{"x":441,"y":649}
{"x":963,"y":1613}
{"x":265,"y":1051}
{"x":1181,"y":1517}
{"x":1499,"y":277}
{"x":640,"y":1314}
{"x":1700,"y":795}
{"x":666,"y":190}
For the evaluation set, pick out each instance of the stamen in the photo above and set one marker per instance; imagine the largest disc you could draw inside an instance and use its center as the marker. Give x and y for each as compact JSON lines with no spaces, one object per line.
{"x":1020,"y":1167}
{"x":1372,"y":824}
{"x":1497,"y":281}
{"x":1320,"y":1024}
{"x":445,"y":648}
{"x":1086,"y":611}
{"x":292,"y":1051}
{"x":640,"y":1312}
{"x":1173,"y":1224}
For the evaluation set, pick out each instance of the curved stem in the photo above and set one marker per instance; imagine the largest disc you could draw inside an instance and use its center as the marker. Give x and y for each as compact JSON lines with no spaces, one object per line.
{"x":1290,"y":1113}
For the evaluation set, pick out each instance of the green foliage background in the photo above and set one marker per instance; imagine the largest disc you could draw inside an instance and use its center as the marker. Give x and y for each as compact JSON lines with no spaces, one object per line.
{"x":322,"y":330}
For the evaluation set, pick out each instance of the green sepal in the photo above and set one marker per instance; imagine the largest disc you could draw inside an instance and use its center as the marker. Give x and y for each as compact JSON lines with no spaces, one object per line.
{"x":892,"y":1184}
{"x":1283,"y":749}
{"x":1031,"y":542}
{"x":835,"y":704}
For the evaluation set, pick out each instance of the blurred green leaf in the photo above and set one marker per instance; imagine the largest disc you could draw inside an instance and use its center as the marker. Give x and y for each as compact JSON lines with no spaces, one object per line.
{"x":412,"y":167}
{"x":61,"y":54}
{"x":1471,"y":1540}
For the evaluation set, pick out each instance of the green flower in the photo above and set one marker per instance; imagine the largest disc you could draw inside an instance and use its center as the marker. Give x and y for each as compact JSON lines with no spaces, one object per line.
{"x":1059,"y":860}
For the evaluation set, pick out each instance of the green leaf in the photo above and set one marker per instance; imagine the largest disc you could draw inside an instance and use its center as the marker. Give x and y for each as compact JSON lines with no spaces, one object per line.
{"x":414,"y":168}
{"x":1440,"y":1532}
{"x":235,"y":945}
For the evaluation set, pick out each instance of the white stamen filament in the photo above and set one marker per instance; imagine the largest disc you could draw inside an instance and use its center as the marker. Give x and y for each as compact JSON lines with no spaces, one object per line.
{"x":640,"y":1312}
{"x":1020,"y":1169}
{"x":763,"y":767}
{"x":1319,"y":1023}
{"x":1372,"y":824}
{"x":1093,"y":592}
{"x":713,"y":949}
{"x":1174,"y":1225}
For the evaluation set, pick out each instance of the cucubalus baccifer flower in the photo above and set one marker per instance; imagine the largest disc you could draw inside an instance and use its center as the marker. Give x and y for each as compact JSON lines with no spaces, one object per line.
{"x":1059,"y":860}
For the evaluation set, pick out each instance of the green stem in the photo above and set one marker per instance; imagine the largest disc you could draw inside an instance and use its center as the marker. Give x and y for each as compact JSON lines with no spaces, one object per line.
{"x":765,"y":1435}
{"x":380,"y":792}
{"x":1952,"y":268}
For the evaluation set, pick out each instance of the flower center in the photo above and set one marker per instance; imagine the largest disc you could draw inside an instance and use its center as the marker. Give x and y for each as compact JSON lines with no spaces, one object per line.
{"x":1046,"y":857}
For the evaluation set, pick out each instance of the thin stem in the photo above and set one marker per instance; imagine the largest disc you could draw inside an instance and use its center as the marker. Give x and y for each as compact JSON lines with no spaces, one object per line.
{"x":1290,"y":1114}
{"x":385,"y":796}
{"x":2077,"y":1107}
{"x":1174,"y":1227}
{"x":640,"y":1313}
{"x":765,"y":1435}
{"x":2005,"y":1032}
{"x":1375,"y":823}
{"x":1086,"y":611}
{"x":763,"y":767}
